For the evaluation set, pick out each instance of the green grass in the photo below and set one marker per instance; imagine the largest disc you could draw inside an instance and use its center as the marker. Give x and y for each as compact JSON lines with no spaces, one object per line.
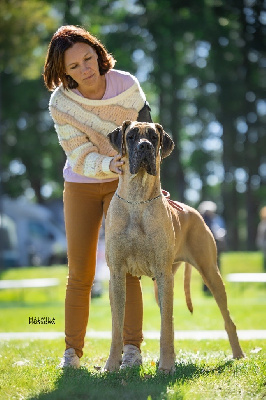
{"x":204,"y":369}
{"x":246,"y":301}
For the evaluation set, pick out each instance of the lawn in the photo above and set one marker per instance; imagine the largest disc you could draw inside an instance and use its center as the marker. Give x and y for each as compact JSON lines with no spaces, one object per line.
{"x":204,"y":369}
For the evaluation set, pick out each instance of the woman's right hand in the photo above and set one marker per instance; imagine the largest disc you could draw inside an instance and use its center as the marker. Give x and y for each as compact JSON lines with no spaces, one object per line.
{"x":116,"y":164}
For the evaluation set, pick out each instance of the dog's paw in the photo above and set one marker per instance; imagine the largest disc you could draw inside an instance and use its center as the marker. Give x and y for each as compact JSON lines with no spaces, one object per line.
{"x":166,"y":369}
{"x":112,"y":366}
{"x":239,"y":355}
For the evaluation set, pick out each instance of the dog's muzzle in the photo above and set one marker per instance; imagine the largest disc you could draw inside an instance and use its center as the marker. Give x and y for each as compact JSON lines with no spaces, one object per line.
{"x":143,"y":156}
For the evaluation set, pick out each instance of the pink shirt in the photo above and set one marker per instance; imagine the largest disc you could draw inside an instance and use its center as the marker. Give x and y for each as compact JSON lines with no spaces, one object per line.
{"x":116,"y":82}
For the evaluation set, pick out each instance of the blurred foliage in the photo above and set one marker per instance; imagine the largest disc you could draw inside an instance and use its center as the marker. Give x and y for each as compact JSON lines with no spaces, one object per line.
{"x":23,"y":36}
{"x":29,"y":146}
{"x":201,"y":64}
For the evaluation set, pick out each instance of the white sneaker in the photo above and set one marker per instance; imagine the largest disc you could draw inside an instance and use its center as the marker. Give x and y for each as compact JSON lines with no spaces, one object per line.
{"x":131,"y":356}
{"x":70,"y":359}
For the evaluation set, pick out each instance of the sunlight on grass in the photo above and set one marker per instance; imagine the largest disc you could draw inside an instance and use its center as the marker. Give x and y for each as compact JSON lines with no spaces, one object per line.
{"x":204,"y":369}
{"x":246,"y":301}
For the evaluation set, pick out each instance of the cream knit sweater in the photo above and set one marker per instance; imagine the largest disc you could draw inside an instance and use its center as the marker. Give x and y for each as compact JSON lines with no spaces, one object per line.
{"x":82,"y":126}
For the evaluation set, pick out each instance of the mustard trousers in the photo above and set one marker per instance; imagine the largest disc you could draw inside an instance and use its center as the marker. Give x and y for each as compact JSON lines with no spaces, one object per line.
{"x":84,"y":207}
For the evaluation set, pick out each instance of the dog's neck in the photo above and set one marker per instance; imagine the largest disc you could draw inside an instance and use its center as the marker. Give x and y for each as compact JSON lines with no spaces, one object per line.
{"x":140,"y":187}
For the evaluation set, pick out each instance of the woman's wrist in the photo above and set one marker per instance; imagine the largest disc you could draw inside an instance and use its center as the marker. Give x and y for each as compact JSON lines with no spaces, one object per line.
{"x":106,"y":164}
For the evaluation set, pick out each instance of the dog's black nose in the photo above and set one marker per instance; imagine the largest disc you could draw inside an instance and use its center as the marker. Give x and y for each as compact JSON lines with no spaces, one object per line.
{"x":144,"y":145}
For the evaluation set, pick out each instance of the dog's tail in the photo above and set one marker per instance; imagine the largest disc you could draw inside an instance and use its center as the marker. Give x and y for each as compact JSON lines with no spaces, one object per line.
{"x":187,"y":278}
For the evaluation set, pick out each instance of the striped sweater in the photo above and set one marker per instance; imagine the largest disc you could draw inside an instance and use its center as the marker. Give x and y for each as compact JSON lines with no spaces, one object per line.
{"x":82,"y":126}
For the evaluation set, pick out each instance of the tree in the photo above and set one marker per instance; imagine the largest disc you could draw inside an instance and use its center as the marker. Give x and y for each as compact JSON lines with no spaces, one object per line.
{"x":217,"y":50}
{"x":238,"y":44}
{"x":200,"y":63}
{"x":27,"y":137}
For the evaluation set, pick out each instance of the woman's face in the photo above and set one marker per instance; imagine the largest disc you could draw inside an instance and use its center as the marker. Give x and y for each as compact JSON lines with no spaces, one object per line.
{"x":81,"y":63}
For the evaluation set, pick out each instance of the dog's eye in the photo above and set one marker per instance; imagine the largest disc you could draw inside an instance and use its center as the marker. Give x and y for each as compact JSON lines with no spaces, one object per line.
{"x":152,"y":135}
{"x":131,"y":135}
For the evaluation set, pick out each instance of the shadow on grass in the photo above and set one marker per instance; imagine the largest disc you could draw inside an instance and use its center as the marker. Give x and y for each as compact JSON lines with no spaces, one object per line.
{"x":133,"y":384}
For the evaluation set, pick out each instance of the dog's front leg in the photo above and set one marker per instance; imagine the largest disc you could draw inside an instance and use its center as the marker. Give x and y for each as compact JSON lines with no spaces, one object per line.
{"x":166,"y":293}
{"x":117,"y":293}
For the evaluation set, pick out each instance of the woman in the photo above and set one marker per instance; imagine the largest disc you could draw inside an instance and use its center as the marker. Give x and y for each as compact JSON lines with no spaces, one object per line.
{"x":89,"y":100}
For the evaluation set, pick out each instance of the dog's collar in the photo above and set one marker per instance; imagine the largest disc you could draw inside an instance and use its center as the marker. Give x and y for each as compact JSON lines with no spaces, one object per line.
{"x":138,"y":202}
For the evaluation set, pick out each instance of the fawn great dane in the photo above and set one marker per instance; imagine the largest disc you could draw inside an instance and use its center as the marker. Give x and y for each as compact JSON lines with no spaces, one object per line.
{"x":146,"y":234}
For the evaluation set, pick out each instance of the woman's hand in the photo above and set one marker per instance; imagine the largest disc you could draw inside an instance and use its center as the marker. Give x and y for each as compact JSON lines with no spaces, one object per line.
{"x":116,"y":164}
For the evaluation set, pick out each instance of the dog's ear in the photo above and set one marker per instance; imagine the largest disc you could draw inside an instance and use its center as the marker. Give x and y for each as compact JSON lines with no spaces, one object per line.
{"x":116,"y":139}
{"x":125,"y":125}
{"x":167,"y":144}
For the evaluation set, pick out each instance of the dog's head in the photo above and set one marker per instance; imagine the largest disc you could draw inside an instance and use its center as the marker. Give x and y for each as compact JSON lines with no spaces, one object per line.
{"x":141,"y":141}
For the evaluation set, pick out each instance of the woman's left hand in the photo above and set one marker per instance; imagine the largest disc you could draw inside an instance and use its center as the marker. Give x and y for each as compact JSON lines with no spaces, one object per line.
{"x":116,"y":164}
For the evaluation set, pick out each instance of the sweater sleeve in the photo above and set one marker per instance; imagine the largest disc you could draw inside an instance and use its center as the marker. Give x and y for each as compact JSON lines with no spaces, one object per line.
{"x":82,"y":154}
{"x":82,"y":126}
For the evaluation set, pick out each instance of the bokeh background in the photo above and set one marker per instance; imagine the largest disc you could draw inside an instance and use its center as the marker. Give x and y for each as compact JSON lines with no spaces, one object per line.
{"x":202,"y":65}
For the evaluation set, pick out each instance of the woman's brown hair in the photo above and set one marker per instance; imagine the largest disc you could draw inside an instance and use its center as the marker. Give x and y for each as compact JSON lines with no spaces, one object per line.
{"x":64,"y":38}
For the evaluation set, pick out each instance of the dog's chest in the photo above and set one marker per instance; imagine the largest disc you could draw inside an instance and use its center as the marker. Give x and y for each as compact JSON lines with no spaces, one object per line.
{"x":139,"y":242}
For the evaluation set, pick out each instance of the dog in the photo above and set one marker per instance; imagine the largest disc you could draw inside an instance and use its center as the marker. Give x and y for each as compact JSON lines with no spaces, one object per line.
{"x":146,"y":234}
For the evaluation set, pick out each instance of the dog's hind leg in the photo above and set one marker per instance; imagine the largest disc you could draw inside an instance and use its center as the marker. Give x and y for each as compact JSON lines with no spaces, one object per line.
{"x":117,"y":293}
{"x":212,"y":278}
